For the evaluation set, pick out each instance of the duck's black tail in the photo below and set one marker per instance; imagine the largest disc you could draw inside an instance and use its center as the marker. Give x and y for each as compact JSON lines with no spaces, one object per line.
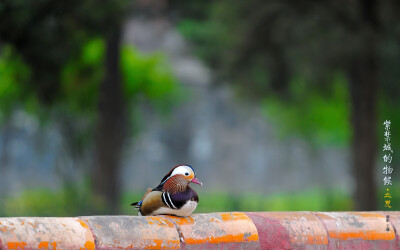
{"x":137,"y":204}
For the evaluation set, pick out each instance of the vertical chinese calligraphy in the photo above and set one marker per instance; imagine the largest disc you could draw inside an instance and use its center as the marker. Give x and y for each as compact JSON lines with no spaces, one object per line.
{"x":387,"y":169}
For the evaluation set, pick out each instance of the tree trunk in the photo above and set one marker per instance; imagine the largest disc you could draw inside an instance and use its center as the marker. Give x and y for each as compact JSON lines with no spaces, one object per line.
{"x":363,"y":76}
{"x":363,"y":80}
{"x":110,"y":130}
{"x":6,"y":135}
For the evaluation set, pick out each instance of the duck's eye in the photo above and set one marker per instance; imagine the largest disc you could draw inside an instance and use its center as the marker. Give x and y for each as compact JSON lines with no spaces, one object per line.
{"x":186,"y":173}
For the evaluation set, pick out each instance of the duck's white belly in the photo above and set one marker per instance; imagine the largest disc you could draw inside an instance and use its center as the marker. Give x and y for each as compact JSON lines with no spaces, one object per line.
{"x":184,"y":211}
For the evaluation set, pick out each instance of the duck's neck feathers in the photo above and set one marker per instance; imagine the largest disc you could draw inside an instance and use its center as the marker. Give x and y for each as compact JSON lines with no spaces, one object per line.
{"x":175,"y":184}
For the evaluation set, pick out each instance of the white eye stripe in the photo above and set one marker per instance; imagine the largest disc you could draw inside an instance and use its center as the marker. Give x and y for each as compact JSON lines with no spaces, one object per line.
{"x":183,"y":170}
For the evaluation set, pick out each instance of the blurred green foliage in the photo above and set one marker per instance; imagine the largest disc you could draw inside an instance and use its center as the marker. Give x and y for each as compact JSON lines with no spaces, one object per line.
{"x":48,"y":33}
{"x":143,"y":75}
{"x":321,"y":119}
{"x":149,"y":76}
{"x":145,"y":78}
{"x":81,"y":77}
{"x":71,"y":201}
{"x":13,"y":73}
{"x":45,"y":202}
{"x":305,"y":200}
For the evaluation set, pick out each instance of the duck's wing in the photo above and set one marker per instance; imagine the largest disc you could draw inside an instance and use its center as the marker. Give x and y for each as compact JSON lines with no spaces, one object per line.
{"x":139,"y":203}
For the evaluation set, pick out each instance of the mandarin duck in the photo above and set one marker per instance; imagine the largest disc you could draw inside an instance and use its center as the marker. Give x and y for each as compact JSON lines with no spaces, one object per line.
{"x":172,"y":196}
